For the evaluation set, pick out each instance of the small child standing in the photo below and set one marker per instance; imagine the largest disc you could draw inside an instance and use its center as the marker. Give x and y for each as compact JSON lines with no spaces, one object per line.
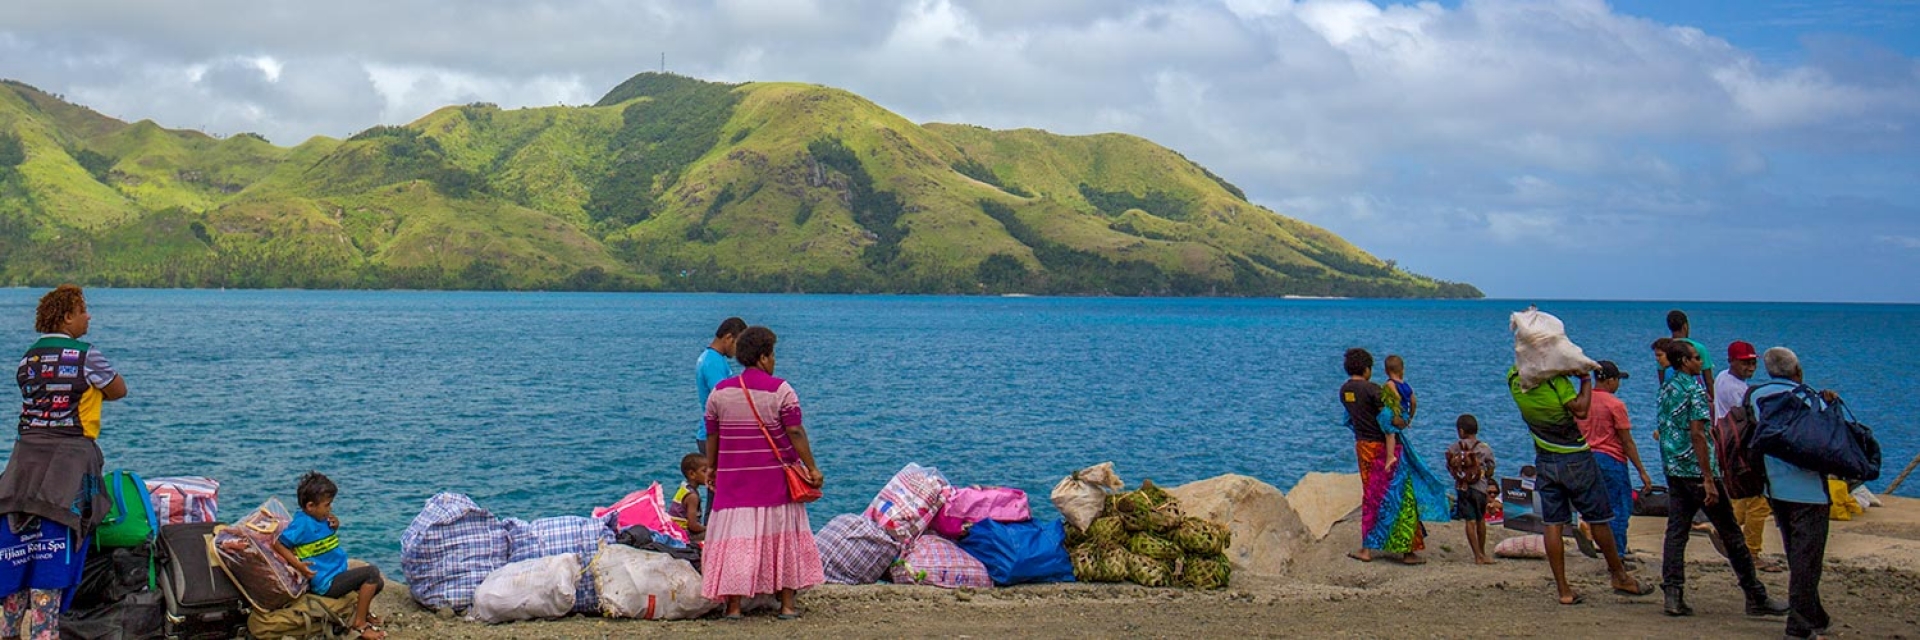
{"x":314,"y":542}
{"x":1471,"y":464}
{"x":685,"y":509}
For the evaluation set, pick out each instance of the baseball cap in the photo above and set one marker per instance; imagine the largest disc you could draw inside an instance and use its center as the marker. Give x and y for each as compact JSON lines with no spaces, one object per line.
{"x":1609,"y":371}
{"x":1741,"y":350}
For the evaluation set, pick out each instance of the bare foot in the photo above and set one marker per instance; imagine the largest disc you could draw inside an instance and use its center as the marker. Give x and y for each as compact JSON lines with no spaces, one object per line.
{"x":1630,"y":587}
{"x":1483,"y":560}
{"x":1571,"y":598}
{"x":1409,"y":558}
{"x":1362,"y":555}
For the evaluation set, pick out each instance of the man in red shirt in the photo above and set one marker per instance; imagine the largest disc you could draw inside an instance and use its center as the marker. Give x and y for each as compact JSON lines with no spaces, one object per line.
{"x":1610,"y":434}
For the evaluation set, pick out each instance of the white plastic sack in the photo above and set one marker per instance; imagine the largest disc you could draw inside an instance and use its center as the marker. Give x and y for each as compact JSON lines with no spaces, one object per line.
{"x":1081,"y":496}
{"x":647,"y":585}
{"x":527,"y":590}
{"x":1865,"y":497}
{"x":1541,"y":350}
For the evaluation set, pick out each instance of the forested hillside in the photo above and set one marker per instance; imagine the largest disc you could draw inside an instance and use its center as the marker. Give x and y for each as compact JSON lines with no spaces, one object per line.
{"x":667,"y":183}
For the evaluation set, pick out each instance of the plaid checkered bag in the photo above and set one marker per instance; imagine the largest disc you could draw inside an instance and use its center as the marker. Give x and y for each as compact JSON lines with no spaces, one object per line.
{"x":448,"y":550}
{"x":183,"y":499}
{"x":938,"y":562}
{"x":854,"y":550}
{"x":555,"y":536}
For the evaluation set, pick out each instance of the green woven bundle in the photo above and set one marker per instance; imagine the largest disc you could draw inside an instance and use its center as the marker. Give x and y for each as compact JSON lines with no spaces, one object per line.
{"x":1148,"y":572}
{"x":1205,"y":573}
{"x":1161,"y":521}
{"x":1153,"y":546}
{"x":1201,"y":537}
{"x":1108,"y":529}
{"x":1155,"y":496}
{"x":1135,"y":502}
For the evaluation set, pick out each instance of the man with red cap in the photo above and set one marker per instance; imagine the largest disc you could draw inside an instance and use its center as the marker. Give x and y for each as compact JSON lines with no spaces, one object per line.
{"x":1729,"y":389}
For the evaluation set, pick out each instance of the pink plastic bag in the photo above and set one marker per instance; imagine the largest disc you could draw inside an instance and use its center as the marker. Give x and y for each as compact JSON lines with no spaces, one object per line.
{"x":184,"y":499}
{"x":967,"y":505}
{"x":646,"y":508}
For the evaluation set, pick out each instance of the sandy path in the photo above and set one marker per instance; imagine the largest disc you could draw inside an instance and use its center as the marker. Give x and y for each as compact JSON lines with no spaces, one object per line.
{"x":1872,"y":588}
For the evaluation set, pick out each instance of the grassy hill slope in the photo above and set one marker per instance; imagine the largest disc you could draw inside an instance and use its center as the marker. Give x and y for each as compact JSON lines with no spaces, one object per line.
{"x":666,"y":183}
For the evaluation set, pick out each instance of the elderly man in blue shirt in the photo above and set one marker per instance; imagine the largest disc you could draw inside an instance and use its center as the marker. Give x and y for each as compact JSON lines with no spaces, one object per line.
{"x":1800,"y":504}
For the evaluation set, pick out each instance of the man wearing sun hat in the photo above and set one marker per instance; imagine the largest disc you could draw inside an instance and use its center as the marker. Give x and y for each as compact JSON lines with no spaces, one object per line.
{"x":1729,"y":389}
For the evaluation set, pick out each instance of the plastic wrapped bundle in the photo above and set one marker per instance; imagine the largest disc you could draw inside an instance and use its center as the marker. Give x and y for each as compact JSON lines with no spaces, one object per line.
{"x":1541,"y":350}
{"x":905,"y":507}
{"x":246,"y":554}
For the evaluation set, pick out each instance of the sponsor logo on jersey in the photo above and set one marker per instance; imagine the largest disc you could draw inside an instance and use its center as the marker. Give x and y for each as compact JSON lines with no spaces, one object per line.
{"x":60,"y":402}
{"x":51,"y":357}
{"x":59,"y":387}
{"x":70,"y":355}
{"x":69,"y":371}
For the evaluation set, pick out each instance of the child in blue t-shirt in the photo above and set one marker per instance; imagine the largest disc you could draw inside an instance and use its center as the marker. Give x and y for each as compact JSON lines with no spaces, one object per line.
{"x":313,"y":540}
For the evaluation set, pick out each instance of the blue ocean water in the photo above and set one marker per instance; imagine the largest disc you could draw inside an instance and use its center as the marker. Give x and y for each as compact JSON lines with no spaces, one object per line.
{"x":544,"y":404}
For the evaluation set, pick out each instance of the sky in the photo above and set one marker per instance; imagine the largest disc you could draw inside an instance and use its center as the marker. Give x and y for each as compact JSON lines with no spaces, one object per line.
{"x":1758,"y":150}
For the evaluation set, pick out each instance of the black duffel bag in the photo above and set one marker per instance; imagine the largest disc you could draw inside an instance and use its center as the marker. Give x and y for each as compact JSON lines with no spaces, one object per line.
{"x":1651,"y":502}
{"x":1820,"y":436}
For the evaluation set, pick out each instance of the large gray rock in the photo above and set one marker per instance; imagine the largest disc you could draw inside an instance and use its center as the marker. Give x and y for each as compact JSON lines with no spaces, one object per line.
{"x":1266,"y":531}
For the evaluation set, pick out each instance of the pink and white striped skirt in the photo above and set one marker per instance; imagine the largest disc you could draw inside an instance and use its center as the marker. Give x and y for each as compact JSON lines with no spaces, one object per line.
{"x":759,"y":550}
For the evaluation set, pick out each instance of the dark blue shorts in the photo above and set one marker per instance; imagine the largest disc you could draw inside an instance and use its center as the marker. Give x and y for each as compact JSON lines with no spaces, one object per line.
{"x":1469,"y":504}
{"x":1570,"y":482}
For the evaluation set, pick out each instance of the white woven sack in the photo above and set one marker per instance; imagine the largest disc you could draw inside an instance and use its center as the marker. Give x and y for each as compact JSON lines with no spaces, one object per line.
{"x":1081,"y":496}
{"x":527,"y":590}
{"x":647,"y":585}
{"x":1541,"y":350}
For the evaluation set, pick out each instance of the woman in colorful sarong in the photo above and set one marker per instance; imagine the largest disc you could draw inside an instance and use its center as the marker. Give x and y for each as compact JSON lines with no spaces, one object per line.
{"x":1398,"y":491}
{"x":759,"y":540}
{"x":51,"y":492}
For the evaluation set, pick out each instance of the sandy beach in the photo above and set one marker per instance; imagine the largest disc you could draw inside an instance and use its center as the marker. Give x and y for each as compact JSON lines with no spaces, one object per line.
{"x":1872,"y":588}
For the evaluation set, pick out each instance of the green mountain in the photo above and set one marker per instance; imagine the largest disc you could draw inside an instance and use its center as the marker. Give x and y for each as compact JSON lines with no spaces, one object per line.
{"x":668,"y":183}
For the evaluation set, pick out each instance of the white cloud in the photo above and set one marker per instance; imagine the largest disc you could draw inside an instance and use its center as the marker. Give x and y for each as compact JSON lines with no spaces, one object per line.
{"x":1904,"y":242}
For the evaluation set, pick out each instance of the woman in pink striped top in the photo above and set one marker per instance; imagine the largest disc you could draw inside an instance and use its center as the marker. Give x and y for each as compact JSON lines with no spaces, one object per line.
{"x":758,"y":540}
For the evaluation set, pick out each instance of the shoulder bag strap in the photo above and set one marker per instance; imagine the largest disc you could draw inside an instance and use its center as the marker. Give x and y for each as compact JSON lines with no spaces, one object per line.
{"x":760,"y":423}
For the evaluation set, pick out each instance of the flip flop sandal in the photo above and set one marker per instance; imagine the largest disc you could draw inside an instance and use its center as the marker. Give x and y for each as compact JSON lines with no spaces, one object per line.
{"x":1578,"y":598}
{"x":788,"y":616}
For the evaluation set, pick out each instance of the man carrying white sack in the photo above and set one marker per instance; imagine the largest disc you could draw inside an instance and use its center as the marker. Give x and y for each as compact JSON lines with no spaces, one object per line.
{"x":1568,"y":478}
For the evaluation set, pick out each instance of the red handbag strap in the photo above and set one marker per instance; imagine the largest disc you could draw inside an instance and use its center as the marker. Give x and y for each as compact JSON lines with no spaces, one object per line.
{"x":760,"y":423}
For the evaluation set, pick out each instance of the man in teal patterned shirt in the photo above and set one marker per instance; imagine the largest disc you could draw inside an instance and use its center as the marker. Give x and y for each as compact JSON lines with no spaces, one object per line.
{"x":1692,"y":486}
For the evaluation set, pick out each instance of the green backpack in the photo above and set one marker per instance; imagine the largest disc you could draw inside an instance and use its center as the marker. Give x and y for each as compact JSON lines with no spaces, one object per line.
{"x":129,"y":522}
{"x":309,"y":617}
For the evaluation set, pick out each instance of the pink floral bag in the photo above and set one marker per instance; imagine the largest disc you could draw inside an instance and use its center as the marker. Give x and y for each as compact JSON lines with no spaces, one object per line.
{"x":967,"y":505}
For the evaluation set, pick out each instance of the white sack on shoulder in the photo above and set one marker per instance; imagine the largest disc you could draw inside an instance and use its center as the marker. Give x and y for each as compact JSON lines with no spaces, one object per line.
{"x":527,"y":590}
{"x":1541,"y":350}
{"x":647,"y":585}
{"x":1080,"y":497}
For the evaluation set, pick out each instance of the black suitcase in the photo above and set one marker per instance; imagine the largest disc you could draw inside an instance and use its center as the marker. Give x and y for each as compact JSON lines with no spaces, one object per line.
{"x":202,"y":601}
